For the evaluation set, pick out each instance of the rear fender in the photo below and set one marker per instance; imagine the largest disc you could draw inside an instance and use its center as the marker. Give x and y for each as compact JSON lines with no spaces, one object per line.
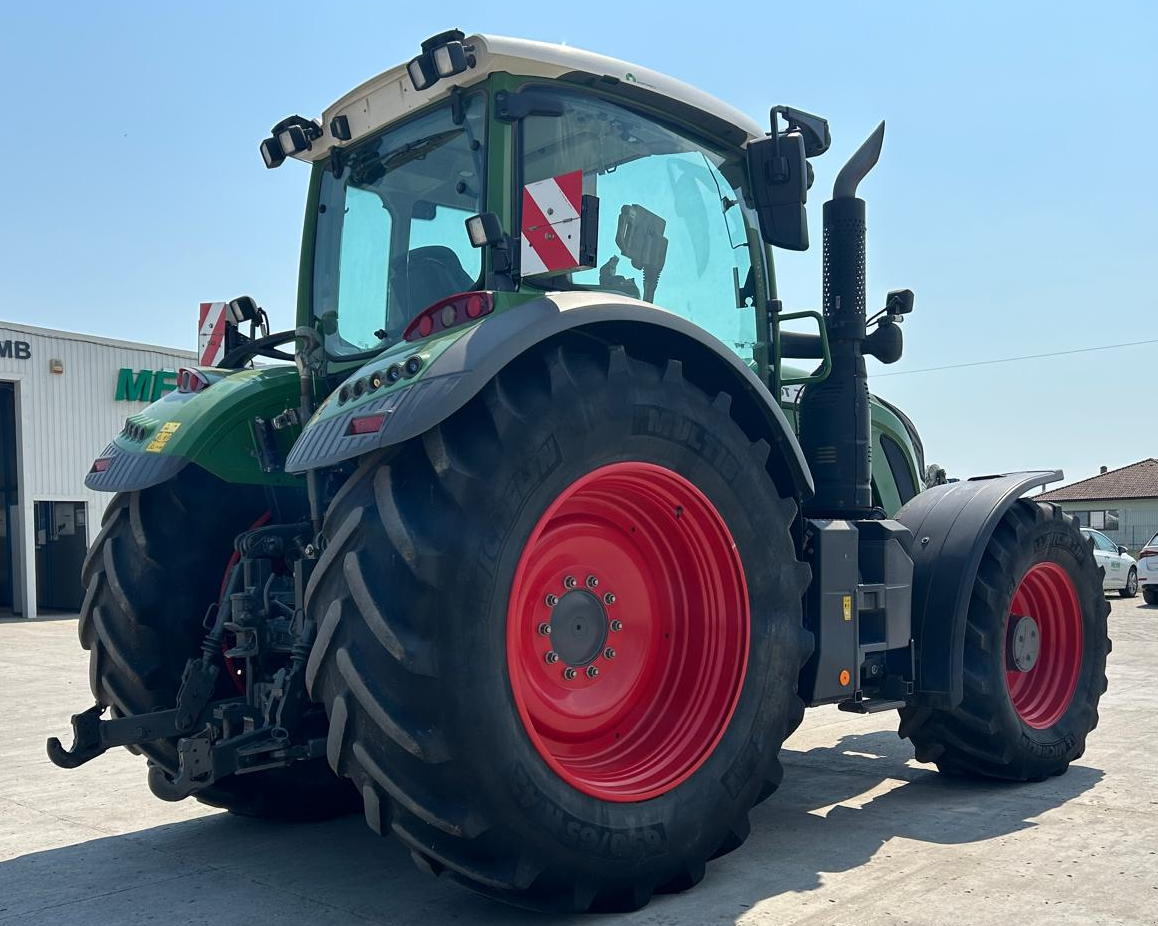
{"x":951,"y":526}
{"x":456,"y":373}
{"x":212,"y":429}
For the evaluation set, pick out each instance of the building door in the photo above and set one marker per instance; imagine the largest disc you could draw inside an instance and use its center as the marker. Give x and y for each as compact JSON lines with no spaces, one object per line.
{"x":61,"y":542}
{"x":9,"y":525}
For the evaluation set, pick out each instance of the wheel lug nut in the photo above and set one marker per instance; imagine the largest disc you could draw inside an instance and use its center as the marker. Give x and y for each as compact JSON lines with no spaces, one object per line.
{"x":592,"y":582}
{"x":570,"y":582}
{"x":552,"y":657}
{"x":616,"y":626}
{"x":544,"y":629}
{"x":592,"y":671}
{"x":609,"y":598}
{"x":569,"y":673}
{"x":552,"y":600}
{"x":609,"y":653}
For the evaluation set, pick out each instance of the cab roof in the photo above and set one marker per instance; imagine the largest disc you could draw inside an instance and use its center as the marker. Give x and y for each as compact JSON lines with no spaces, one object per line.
{"x":390,"y":96}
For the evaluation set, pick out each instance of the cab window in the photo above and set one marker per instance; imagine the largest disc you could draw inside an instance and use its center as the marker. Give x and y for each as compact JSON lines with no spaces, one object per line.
{"x":652,"y":182}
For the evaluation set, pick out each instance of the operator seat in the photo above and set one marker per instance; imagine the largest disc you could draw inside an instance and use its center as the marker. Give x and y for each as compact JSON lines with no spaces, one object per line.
{"x":431,"y":273}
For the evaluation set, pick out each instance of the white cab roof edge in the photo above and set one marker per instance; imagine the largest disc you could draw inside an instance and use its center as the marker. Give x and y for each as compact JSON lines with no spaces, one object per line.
{"x":390,"y":95}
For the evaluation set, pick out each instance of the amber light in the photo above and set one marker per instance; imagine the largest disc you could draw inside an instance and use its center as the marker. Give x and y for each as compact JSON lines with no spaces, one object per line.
{"x":449,"y":313}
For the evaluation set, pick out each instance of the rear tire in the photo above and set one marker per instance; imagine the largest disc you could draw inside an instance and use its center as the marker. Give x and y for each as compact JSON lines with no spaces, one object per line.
{"x":1131,"y":588}
{"x":1024,"y":726}
{"x":150,"y":575}
{"x":417,"y":601}
{"x":1150,"y":594}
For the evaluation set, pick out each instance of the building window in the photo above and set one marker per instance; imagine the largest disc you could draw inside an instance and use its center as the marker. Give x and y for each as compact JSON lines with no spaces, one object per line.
{"x":1105,"y":520}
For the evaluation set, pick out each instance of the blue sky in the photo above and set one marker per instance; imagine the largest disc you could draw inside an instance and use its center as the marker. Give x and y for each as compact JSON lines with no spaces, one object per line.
{"x":1015,"y":195}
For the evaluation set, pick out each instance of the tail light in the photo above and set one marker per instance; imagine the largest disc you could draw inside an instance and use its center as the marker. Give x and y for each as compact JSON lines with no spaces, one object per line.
{"x":1145,"y":553}
{"x":365,"y":424}
{"x":451,"y":312}
{"x":190,"y":380}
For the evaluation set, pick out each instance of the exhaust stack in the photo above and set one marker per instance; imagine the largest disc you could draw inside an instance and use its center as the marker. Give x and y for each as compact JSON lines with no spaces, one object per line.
{"x":834,"y":414}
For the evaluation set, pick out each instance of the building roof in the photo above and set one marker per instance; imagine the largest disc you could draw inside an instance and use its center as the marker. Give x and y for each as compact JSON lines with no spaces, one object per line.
{"x":1138,"y":480}
{"x":59,"y":335}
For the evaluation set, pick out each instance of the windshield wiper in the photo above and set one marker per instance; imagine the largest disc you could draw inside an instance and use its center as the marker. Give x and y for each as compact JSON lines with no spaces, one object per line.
{"x":419,"y":148}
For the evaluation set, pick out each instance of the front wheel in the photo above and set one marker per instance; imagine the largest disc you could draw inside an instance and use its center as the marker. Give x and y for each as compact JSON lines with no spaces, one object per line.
{"x":1034,"y":657}
{"x":1131,"y":587}
{"x":560,"y":633}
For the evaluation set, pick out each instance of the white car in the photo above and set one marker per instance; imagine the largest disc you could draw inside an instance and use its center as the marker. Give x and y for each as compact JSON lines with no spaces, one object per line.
{"x":1148,"y":570}
{"x":1121,"y":568}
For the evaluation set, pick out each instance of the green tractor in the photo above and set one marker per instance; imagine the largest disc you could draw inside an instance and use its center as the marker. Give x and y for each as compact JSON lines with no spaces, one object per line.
{"x":535,"y":547}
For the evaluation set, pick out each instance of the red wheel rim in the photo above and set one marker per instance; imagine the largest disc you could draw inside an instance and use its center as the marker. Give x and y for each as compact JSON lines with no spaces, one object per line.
{"x":640,"y":549}
{"x":1041,"y":695}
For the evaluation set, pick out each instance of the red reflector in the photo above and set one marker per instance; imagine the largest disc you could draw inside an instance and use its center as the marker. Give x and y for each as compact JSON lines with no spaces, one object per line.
{"x":100,"y":464}
{"x":189,"y":380}
{"x":449,"y":313}
{"x":366,"y":424}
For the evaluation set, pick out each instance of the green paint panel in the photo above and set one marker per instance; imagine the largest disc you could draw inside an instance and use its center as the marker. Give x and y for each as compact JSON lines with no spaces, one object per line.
{"x":214,"y":428}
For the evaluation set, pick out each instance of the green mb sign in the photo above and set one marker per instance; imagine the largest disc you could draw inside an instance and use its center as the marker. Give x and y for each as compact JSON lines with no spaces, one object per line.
{"x":144,"y":385}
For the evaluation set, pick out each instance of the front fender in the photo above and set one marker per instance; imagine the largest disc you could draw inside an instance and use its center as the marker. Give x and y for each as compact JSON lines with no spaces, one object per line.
{"x":212,"y":429}
{"x":951,"y":526}
{"x":457,"y":372}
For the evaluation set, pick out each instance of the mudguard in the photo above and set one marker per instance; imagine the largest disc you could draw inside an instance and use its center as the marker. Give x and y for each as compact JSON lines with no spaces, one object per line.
{"x":951,"y":526}
{"x":454,"y":374}
{"x":212,"y":428}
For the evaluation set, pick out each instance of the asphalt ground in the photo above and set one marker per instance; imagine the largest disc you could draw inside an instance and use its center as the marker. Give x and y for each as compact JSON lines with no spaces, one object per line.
{"x":859,"y":833}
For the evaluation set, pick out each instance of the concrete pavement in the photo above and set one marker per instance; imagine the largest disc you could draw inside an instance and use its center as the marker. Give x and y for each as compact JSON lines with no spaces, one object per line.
{"x":859,"y":833}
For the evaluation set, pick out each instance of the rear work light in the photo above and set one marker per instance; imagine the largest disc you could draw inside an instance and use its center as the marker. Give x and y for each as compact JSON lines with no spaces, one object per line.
{"x":189,"y":380}
{"x":451,"y":312}
{"x":365,"y":424}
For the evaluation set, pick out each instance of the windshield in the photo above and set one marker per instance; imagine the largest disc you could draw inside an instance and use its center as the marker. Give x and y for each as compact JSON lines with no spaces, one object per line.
{"x":673,"y":226}
{"x":391,"y":238}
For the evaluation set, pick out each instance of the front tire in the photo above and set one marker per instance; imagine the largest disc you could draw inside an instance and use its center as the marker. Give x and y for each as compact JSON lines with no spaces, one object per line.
{"x":482,"y":756}
{"x":1031,"y":689}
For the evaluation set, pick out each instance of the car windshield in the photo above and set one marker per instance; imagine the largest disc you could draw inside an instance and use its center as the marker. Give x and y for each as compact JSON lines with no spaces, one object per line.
{"x":391,"y":238}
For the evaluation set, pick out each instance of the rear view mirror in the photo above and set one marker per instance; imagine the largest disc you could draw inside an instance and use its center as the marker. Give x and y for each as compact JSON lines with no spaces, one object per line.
{"x":1123,"y":550}
{"x":779,"y":174}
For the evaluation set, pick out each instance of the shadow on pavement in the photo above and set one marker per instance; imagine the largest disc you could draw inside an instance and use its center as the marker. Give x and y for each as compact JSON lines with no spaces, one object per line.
{"x":225,"y":869}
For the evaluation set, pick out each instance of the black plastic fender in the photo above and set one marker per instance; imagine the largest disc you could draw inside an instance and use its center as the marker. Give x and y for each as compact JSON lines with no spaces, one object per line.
{"x":458,"y":374}
{"x":951,"y":526}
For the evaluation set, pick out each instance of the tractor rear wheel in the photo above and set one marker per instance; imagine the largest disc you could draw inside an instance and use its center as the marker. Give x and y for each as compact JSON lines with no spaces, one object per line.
{"x":559,"y":634}
{"x":150,"y":576}
{"x":1035,"y":655}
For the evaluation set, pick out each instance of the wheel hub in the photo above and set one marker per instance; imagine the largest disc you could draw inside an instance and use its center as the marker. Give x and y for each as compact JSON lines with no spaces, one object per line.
{"x":1023,"y":643}
{"x":578,"y":627}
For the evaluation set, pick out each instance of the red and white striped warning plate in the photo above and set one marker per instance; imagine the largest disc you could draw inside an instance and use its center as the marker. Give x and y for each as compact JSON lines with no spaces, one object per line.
{"x":211,"y":337}
{"x":551,"y":224}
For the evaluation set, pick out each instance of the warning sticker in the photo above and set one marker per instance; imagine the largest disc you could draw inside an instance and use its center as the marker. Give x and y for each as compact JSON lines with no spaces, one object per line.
{"x":164,"y":435}
{"x":552,"y":211}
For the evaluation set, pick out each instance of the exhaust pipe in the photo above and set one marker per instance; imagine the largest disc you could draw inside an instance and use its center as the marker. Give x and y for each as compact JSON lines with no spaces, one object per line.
{"x":835,"y":431}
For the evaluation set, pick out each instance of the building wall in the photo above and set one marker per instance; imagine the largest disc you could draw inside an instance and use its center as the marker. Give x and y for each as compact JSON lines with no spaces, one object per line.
{"x":64,"y":420}
{"x":1137,"y":519}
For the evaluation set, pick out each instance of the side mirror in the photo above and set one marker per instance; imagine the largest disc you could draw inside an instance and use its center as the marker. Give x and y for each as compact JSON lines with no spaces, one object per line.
{"x":1122,"y":549}
{"x":779,"y":173}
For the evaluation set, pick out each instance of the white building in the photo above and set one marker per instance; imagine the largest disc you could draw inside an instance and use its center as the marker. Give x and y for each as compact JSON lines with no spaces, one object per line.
{"x":63,"y":397}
